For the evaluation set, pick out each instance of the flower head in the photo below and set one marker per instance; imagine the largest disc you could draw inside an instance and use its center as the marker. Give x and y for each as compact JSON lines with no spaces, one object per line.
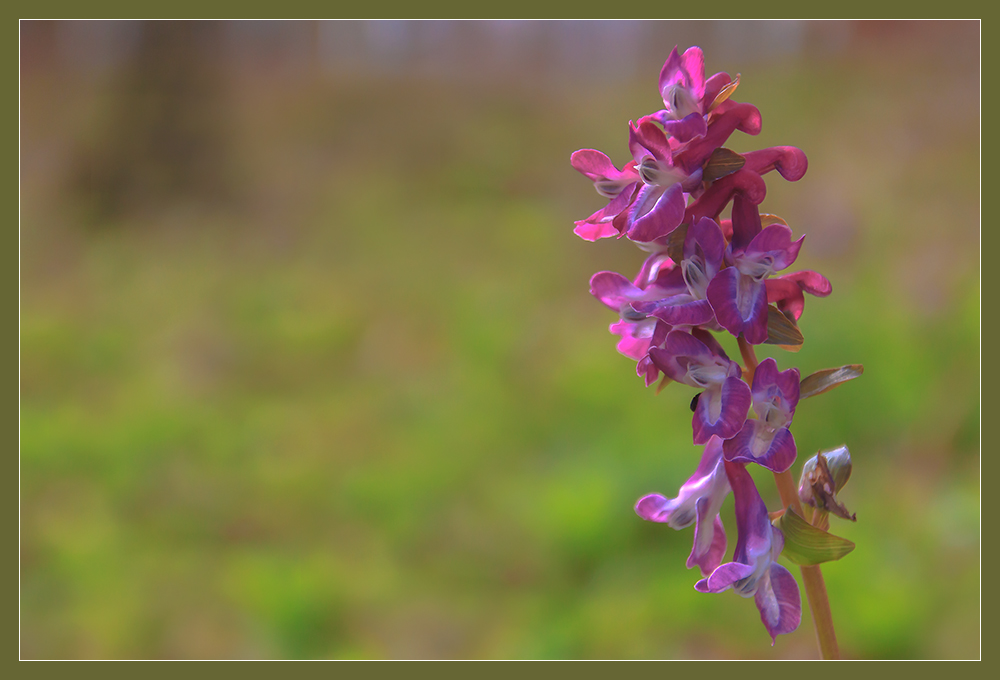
{"x":698,"y":500}
{"x":754,"y":571}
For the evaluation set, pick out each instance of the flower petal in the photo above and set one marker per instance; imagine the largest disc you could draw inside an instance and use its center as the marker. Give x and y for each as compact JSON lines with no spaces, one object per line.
{"x":779,"y":602}
{"x":613,"y":289}
{"x":721,"y":411}
{"x":724,"y":577}
{"x":740,"y":304}
{"x":789,"y":161}
{"x":757,"y":443}
{"x":709,"y":541}
{"x":686,"y":129}
{"x":663,"y":218}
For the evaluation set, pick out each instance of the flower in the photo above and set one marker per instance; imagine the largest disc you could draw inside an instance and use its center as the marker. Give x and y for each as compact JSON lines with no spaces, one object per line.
{"x":658,"y":206}
{"x":787,"y":291}
{"x":767,"y":440}
{"x":754,"y":571}
{"x":610,"y":182}
{"x":738,"y":293}
{"x":698,"y":360}
{"x":638,"y":330}
{"x":698,"y":500}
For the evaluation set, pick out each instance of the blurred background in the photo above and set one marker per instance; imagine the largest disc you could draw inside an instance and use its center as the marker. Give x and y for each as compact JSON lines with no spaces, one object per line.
{"x":309,"y":366}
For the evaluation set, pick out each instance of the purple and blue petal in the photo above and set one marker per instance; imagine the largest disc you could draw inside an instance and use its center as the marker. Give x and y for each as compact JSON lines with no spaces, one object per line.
{"x":771,"y":448}
{"x":721,"y":410}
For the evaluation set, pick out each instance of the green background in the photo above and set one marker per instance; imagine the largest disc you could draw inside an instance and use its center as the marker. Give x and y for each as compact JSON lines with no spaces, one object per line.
{"x":309,"y":367}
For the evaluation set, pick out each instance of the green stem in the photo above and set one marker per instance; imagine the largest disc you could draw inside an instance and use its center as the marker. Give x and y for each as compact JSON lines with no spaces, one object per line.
{"x":812,"y":577}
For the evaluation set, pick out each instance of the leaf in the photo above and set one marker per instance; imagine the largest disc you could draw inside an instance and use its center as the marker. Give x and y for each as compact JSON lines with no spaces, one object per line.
{"x":806,"y":545}
{"x":725,"y":93}
{"x":722,"y":162}
{"x":782,"y":331}
{"x":675,"y":243}
{"x":825,"y":380}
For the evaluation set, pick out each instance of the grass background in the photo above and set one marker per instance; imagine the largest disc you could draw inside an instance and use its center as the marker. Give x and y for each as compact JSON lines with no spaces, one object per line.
{"x":309,"y":367}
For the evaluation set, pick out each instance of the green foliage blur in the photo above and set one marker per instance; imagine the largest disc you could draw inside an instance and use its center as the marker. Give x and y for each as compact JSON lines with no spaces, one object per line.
{"x":309,"y":367}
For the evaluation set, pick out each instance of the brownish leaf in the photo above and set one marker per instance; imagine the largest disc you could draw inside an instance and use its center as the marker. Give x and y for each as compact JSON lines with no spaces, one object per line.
{"x":825,"y":380}
{"x":722,"y":162}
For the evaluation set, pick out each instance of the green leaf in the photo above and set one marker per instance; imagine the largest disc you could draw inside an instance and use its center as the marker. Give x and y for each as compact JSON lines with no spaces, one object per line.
{"x":822,"y":381}
{"x":782,"y":331}
{"x":806,"y":545}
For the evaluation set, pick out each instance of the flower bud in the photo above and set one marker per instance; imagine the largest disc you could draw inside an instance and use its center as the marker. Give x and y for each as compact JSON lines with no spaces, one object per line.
{"x":823,"y":476}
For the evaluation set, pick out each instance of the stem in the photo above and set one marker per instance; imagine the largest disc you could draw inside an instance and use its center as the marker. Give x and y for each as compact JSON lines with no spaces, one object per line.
{"x":812,"y":577}
{"x":749,"y":358}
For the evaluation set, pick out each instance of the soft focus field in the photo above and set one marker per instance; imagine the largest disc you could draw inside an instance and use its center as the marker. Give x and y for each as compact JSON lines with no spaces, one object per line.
{"x":309,"y":367}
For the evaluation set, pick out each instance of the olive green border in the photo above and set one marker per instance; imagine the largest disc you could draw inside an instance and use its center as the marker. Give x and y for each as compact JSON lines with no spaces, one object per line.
{"x":509,"y":9}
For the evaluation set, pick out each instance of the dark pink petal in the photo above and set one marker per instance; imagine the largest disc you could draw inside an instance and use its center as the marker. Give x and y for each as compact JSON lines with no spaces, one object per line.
{"x":775,"y":241}
{"x":635,"y":337}
{"x":787,"y":291}
{"x":693,"y":65}
{"x":716,"y":197}
{"x":666,"y":215}
{"x":708,"y":339}
{"x":594,"y":165}
{"x":655,"y":508}
{"x":746,"y":223}
{"x":613,"y":289}
{"x":687,"y":128}
{"x":709,"y":541}
{"x":656,"y":269}
{"x":753,"y":526}
{"x":789,"y":161}
{"x":740,"y":304}
{"x":600,"y":224}
{"x":592,"y":232}
{"x":713,"y":86}
{"x":757,"y":443}
{"x":721,"y":411}
{"x":647,"y":370}
{"x":764,"y":375}
{"x":690,"y":313}
{"x":779,"y":602}
{"x":724,"y":577}
{"x":727,"y":118}
{"x":646,"y":139}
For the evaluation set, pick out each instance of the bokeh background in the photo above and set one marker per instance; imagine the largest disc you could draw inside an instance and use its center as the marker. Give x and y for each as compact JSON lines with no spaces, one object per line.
{"x":309,"y":367}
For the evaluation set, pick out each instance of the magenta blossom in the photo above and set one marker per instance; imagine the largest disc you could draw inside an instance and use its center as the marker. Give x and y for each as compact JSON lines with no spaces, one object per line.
{"x":698,"y":360}
{"x":787,"y":291}
{"x":738,"y":293}
{"x":767,"y":440}
{"x":698,"y":500}
{"x":610,"y":182}
{"x":658,"y":206}
{"x":754,"y":571}
{"x":638,"y":331}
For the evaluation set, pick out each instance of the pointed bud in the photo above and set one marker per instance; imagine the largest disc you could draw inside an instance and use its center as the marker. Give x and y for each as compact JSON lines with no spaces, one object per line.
{"x":823,"y":476}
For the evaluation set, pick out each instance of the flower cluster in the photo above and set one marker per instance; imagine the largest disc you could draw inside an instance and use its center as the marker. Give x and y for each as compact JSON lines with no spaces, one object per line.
{"x":704,"y":275}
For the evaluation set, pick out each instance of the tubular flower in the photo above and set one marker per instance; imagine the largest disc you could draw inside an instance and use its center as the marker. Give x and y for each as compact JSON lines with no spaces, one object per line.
{"x":617,"y":185}
{"x":701,"y":362}
{"x":738,"y":293}
{"x":767,"y":440}
{"x":754,"y":571}
{"x":698,"y":501}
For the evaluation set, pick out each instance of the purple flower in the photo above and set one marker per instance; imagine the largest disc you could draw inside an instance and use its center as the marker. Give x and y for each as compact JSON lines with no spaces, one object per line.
{"x":738,"y":293}
{"x":638,"y":330}
{"x":704,"y":246}
{"x":701,"y":362}
{"x":658,"y":207}
{"x":618,"y":185}
{"x":698,"y":500}
{"x":754,"y":571}
{"x":767,"y":440}
{"x":787,"y":291}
